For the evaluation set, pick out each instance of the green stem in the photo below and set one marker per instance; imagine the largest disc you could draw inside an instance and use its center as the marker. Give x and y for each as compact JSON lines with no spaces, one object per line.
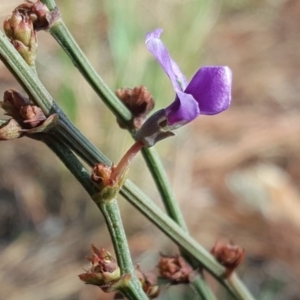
{"x":24,"y":74}
{"x":131,"y":293}
{"x":201,"y":288}
{"x":88,"y":152}
{"x":37,"y":92}
{"x":111,"y":213}
{"x":160,"y":177}
{"x":62,"y":35}
{"x":71,"y":162}
{"x":145,"y":205}
{"x":110,"y":210}
{"x":173,"y":210}
{"x":238,"y":288}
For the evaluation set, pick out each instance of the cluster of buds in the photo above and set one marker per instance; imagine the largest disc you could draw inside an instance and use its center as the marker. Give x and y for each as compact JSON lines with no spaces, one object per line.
{"x":22,"y":25}
{"x":139,"y":101}
{"x":148,"y":281}
{"x":103,"y":271}
{"x":26,"y":118}
{"x":102,"y":179}
{"x":228,"y":255}
{"x":19,"y":29}
{"x":175,"y":269}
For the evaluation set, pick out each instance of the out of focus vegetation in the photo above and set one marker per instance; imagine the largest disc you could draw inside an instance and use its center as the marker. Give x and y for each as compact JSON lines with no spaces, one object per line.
{"x":236,"y":175}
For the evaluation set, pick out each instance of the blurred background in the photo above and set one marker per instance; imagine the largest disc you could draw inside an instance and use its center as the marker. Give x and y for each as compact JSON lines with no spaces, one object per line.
{"x":236,"y":175}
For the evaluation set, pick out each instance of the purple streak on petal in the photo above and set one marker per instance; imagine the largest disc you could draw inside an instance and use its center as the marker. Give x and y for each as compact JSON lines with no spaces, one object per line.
{"x":161,"y":53}
{"x":183,"y":110}
{"x":211,"y":88}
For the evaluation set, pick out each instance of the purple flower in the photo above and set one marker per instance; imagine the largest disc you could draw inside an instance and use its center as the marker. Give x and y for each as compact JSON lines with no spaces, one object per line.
{"x":208,"y":93}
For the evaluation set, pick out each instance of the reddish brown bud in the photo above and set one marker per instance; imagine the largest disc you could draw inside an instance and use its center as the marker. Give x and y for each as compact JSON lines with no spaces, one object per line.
{"x":10,"y":129}
{"x":45,"y":126}
{"x":39,"y":13}
{"x":103,"y":269}
{"x":12,"y":103}
{"x":32,"y":115}
{"x":15,"y":98}
{"x":229,"y":255}
{"x":175,"y":269}
{"x":101,"y":175}
{"x":148,"y":281}
{"x":139,"y":101}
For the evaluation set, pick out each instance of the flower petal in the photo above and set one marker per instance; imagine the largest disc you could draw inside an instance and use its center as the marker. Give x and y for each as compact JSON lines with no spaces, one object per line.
{"x":211,"y":88}
{"x":183,"y":110}
{"x":161,"y":53}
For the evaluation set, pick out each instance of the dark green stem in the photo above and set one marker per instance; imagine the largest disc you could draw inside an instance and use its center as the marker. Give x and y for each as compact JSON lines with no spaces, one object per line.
{"x":71,"y":162}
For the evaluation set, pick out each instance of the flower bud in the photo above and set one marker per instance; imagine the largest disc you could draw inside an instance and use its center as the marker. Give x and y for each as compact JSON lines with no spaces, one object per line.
{"x":139,"y":101}
{"x":15,"y":98}
{"x":101,"y":175}
{"x":12,"y":103}
{"x":39,"y":13}
{"x":10,"y":129}
{"x":103,"y":268}
{"x":32,"y":115}
{"x":19,"y":28}
{"x":108,"y":187}
{"x":229,"y":255}
{"x":175,"y":269}
{"x":23,"y":31}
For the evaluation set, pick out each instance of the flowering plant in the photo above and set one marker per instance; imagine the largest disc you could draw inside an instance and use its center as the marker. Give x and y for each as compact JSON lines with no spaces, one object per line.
{"x":208,"y":93}
{"x":40,"y":118}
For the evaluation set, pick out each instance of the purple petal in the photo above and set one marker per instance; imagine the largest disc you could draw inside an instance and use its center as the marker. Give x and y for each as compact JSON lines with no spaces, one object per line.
{"x":211,"y":88}
{"x":160,"y":52}
{"x":183,"y":110}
